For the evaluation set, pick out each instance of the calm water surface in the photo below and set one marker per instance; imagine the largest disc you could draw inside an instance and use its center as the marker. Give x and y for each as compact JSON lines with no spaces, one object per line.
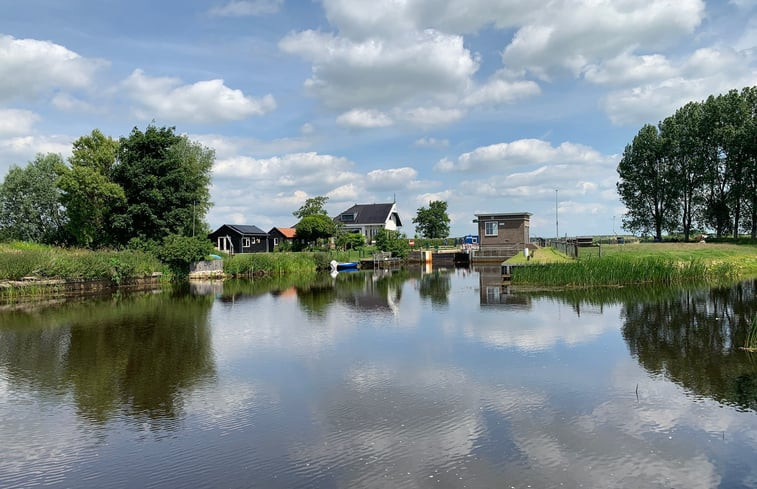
{"x":401,"y":379}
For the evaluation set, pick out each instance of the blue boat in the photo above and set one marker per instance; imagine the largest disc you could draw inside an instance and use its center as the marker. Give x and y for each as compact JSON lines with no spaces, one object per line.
{"x":343,"y":266}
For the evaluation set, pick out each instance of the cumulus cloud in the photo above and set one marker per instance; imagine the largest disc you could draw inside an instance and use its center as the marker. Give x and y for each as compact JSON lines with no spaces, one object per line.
{"x":30,"y":68}
{"x":358,"y":118}
{"x":382,"y":72}
{"x":390,"y":179}
{"x":707,"y":71}
{"x":201,"y":102}
{"x":501,"y":90}
{"x":292,"y":170}
{"x":629,"y":69}
{"x":245,"y":8}
{"x":520,"y":153}
{"x":16,"y":121}
{"x":574,"y":34}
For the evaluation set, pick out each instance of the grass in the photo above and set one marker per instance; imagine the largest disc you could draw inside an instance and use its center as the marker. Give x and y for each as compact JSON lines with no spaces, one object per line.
{"x":19,"y":260}
{"x":659,"y":263}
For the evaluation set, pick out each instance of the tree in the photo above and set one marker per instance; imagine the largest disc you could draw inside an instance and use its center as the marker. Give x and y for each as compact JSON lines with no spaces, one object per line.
{"x":350,"y":241}
{"x":393,"y":242}
{"x":30,"y":204}
{"x":312,"y":207}
{"x":647,"y":184}
{"x":682,"y":140}
{"x":90,"y":197}
{"x":166,"y":181}
{"x":314,"y":227}
{"x":434,"y":221}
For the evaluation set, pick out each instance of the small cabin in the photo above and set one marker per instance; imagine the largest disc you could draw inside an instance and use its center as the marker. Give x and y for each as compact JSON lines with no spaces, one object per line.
{"x":239,"y":238}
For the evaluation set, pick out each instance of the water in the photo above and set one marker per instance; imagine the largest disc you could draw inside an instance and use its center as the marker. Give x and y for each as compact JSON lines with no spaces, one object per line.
{"x":402,"y":379}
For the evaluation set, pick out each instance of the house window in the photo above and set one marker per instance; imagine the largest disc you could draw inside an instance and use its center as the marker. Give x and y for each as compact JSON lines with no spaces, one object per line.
{"x":348,"y":217}
{"x":223,"y":243}
{"x":491,"y":228}
{"x":245,"y":242}
{"x":275,"y":241}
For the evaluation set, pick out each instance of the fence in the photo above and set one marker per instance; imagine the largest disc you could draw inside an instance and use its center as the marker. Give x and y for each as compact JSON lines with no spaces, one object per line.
{"x":572,"y":250}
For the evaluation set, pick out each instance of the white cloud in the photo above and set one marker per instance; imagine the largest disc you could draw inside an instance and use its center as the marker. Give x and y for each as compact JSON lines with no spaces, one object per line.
{"x":29,"y":68}
{"x":292,"y":170}
{"x":15,"y":122}
{"x":244,"y":8}
{"x":429,"y":142}
{"x":202,"y":102}
{"x":430,"y":116}
{"x":390,"y":179}
{"x":518,"y":153}
{"x":380,"y":72}
{"x":576,"y":33}
{"x":358,"y":118}
{"x":500,"y":90}
{"x":706,"y":72}
{"x":629,"y":69}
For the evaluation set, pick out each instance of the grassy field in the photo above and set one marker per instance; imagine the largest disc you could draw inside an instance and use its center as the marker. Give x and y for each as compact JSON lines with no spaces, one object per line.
{"x":661,"y":263}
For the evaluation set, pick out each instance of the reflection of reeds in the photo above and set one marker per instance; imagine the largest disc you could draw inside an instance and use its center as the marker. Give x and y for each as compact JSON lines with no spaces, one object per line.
{"x":751,"y":337}
{"x":622,"y":270}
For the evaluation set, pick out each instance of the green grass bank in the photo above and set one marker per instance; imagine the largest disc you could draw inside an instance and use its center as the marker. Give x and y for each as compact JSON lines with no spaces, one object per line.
{"x":657,"y":263}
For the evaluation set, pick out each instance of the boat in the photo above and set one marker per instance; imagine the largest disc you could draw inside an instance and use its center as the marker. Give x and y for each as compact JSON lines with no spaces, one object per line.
{"x":344,"y":266}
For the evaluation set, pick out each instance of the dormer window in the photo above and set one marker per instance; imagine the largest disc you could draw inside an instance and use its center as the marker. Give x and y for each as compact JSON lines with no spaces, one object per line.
{"x":348,"y":217}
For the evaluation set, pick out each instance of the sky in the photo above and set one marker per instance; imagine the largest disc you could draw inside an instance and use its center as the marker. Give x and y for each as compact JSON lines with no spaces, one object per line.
{"x":493,"y":106}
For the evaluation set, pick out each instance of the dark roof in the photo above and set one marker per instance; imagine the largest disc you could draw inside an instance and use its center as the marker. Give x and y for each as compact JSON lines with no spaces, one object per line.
{"x":369,"y":214}
{"x":244,"y":229}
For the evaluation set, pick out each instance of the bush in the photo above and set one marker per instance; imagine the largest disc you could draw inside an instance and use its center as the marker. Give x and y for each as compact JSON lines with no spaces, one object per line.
{"x":392,"y":241}
{"x":179,"y":251}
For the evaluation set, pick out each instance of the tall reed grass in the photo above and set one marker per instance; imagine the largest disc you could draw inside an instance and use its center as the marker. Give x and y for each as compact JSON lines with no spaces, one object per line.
{"x":623,"y":270}
{"x":18,"y":260}
{"x":751,"y":338}
{"x":272,"y":264}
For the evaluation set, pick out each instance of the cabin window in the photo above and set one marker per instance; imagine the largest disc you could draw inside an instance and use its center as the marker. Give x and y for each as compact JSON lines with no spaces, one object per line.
{"x":275,"y":241}
{"x":246,"y":242}
{"x":223,"y":243}
{"x":491,"y":228}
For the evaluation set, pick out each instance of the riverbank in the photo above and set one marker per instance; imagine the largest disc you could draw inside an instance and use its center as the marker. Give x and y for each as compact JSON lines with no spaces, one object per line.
{"x":659,"y":263}
{"x":31,"y":270}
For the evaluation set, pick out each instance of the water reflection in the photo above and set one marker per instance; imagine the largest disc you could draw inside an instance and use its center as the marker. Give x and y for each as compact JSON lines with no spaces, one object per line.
{"x":135,"y":355}
{"x":694,"y":339}
{"x":381,"y":379}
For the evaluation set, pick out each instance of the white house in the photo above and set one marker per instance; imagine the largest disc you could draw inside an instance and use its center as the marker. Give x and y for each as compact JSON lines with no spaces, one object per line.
{"x":369,"y":219}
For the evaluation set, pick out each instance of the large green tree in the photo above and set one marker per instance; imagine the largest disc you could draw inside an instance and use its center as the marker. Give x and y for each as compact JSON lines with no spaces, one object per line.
{"x":166,"y":180}
{"x":433,"y":222}
{"x":647,"y":184}
{"x":30,"y":205}
{"x":90,"y":197}
{"x":312,"y":207}
{"x":315,"y":227}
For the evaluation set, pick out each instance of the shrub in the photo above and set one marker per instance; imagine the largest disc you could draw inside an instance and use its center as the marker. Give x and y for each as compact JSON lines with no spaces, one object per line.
{"x":179,"y":251}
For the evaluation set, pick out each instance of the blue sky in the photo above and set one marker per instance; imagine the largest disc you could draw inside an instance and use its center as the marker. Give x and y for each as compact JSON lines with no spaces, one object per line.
{"x":489,"y":105}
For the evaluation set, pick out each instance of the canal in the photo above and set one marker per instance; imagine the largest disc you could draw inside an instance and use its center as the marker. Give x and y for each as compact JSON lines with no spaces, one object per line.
{"x":400,"y":379}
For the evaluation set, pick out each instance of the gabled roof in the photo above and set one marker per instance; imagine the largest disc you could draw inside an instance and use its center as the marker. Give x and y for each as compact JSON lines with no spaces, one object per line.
{"x":244,"y":229}
{"x":369,"y":214}
{"x":286,"y":232}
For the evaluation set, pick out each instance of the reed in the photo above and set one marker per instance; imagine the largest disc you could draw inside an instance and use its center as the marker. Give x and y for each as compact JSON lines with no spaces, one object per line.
{"x":751,"y":338}
{"x":19,"y":260}
{"x":272,"y":264}
{"x":623,"y":270}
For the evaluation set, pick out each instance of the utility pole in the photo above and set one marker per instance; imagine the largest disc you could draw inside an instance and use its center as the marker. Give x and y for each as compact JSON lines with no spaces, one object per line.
{"x":557,"y":226}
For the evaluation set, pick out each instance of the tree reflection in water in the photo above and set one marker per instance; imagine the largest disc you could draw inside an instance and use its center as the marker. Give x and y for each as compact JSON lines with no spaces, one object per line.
{"x":695,"y":339}
{"x":136,"y":355}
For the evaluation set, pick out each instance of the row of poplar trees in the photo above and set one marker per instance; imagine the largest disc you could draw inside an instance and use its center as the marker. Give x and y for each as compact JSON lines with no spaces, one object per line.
{"x":110,"y":193}
{"x":695,"y":171}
